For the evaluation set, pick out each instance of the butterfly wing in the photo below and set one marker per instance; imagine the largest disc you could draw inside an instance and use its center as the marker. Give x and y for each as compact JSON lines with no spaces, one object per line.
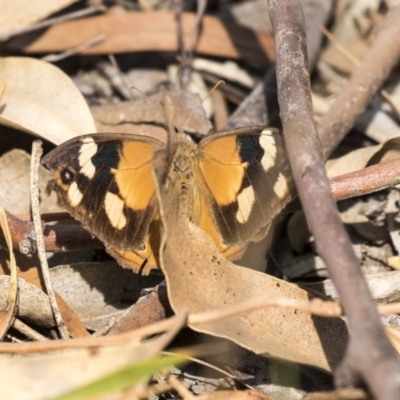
{"x":246,"y":181}
{"x":105,"y":181}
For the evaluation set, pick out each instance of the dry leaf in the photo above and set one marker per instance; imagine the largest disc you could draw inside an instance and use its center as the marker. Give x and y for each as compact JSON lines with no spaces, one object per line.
{"x":48,"y":374}
{"x":18,"y":14}
{"x":146,"y":115}
{"x":363,"y":157}
{"x":33,"y":303}
{"x":14,"y":183}
{"x":98,"y":291}
{"x":135,"y":31}
{"x":199,"y":279}
{"x":42,"y":100}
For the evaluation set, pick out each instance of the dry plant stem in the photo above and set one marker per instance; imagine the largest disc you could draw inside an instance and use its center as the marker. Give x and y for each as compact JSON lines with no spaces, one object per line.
{"x":52,"y":21}
{"x":384,"y":94}
{"x":56,"y":237}
{"x":28,"y":331}
{"x":171,"y":326}
{"x":366,"y":80}
{"x":36,"y":153}
{"x":378,"y":368}
{"x":367,"y":180}
{"x":178,"y":386}
{"x":75,"y":50}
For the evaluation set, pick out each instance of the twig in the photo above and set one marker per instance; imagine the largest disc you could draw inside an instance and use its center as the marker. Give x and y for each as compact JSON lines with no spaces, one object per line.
{"x":75,"y":50}
{"x":178,"y":386}
{"x":51,"y":21}
{"x":364,"y":83}
{"x":378,"y":369}
{"x":56,"y":237}
{"x":384,"y":94}
{"x":36,"y":153}
{"x":367,"y":180}
{"x":28,"y":331}
{"x":124,"y":85}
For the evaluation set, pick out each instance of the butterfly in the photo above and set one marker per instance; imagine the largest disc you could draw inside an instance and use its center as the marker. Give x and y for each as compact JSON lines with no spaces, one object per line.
{"x":232,"y":184}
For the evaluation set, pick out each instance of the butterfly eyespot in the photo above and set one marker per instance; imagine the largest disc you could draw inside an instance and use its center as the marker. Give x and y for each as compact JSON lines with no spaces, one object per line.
{"x":67,"y":176}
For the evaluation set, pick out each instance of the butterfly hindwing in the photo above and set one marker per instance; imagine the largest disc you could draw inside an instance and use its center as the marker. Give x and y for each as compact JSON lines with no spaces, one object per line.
{"x":247,"y":179}
{"x":105,"y":181}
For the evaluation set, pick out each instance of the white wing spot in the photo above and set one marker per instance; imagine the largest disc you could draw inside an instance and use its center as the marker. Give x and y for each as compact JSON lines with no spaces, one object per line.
{"x":281,"y":187}
{"x":114,"y":207}
{"x":267,"y":142}
{"x":245,"y":201}
{"x":87,"y":151}
{"x":75,"y":196}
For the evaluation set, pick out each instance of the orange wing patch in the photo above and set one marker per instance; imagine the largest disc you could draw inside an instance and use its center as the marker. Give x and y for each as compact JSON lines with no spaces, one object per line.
{"x":134,"y":175}
{"x":222,"y":170}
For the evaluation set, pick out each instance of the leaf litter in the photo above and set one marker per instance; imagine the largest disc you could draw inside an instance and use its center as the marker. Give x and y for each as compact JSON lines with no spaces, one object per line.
{"x":96,"y":292}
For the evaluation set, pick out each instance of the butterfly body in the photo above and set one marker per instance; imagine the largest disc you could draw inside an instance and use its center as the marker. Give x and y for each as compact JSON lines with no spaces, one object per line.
{"x":231,"y":185}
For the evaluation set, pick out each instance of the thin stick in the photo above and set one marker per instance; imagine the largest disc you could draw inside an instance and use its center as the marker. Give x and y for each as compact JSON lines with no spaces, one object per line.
{"x":37,"y":224}
{"x":384,"y":94}
{"x":28,"y":331}
{"x":52,"y":21}
{"x":369,"y":76}
{"x":75,"y":50}
{"x":182,"y":391}
{"x":122,"y":77}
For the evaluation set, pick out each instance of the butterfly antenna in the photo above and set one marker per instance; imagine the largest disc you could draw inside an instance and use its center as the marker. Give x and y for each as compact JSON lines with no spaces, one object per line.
{"x":219,"y":83}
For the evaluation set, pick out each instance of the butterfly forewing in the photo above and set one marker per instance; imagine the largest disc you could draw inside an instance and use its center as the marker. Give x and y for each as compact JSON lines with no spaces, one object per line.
{"x":105,"y":181}
{"x":247,"y":181}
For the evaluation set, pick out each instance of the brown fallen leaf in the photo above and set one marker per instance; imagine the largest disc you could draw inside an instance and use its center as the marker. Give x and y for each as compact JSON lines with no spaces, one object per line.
{"x":145,"y":116}
{"x":134,"y":31}
{"x":363,"y":157}
{"x":55,"y":112}
{"x":18,"y":14}
{"x":200,"y":279}
{"x":14,"y":181}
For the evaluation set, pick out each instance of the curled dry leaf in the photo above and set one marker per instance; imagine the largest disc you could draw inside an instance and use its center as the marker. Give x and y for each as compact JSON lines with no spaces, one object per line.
{"x":33,"y":304}
{"x":42,"y":100}
{"x":20,"y":13}
{"x":363,"y":157}
{"x":200,"y":279}
{"x":145,"y":116}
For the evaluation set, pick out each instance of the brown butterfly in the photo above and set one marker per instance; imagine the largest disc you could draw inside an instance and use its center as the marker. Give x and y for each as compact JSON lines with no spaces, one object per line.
{"x":236,"y":181}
